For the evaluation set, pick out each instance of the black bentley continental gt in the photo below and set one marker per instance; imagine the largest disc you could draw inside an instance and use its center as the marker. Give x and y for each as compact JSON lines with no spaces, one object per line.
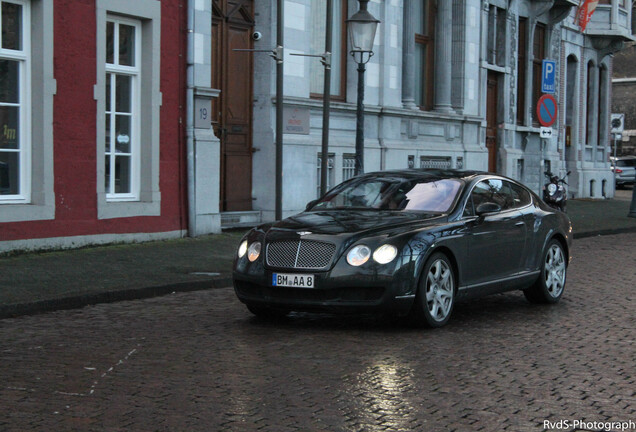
{"x":406,"y":243}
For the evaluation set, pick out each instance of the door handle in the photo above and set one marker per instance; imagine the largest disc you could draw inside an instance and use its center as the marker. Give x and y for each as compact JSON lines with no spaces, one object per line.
{"x":520,"y":224}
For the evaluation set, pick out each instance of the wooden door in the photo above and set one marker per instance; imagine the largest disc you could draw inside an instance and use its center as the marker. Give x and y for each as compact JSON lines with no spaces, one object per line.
{"x":491,"y":121}
{"x":232,"y":73}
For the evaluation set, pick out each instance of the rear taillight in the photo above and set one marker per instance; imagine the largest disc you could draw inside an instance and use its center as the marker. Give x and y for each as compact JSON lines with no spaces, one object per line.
{"x":618,"y":170}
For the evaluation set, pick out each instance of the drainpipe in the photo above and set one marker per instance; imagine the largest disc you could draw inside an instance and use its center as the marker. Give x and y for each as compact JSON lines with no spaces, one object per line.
{"x":190,"y":122}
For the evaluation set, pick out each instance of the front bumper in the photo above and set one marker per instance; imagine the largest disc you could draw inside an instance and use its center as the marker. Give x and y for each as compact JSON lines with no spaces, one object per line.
{"x":343,"y":288}
{"x":624,"y":180}
{"x":626,"y":177}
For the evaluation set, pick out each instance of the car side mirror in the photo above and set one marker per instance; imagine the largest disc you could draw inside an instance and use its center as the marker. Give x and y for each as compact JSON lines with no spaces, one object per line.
{"x":487,"y":207}
{"x":310,"y":204}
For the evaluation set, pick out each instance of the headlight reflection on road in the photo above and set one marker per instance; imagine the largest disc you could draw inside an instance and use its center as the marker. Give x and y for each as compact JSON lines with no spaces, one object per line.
{"x":381,"y":396}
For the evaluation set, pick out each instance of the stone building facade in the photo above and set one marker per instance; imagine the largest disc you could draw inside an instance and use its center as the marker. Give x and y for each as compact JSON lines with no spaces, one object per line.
{"x":177,"y":135}
{"x":451,"y":84}
{"x":624,"y":94}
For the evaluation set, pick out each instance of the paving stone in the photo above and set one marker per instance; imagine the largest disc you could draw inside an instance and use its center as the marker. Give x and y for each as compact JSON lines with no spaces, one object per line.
{"x":199,"y":361}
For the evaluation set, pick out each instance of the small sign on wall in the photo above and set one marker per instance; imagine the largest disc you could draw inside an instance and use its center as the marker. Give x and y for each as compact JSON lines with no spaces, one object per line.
{"x":547,"y":109}
{"x":202,"y":113}
{"x":548,"y":76}
{"x":618,"y":123}
{"x":546,"y":132}
{"x":296,"y":120}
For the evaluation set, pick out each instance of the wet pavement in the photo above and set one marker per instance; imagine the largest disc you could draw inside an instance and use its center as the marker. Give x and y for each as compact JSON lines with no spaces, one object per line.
{"x":63,"y":279}
{"x":198,"y":361}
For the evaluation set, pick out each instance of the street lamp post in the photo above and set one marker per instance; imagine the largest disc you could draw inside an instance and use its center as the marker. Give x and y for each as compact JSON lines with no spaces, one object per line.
{"x":361,"y":27}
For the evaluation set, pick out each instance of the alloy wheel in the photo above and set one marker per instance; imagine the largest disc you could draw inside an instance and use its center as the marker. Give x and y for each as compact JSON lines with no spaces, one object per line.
{"x":554,"y":271}
{"x":439,"y":290}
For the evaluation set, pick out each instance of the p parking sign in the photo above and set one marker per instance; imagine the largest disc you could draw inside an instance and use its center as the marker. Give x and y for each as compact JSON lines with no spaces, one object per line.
{"x":548,"y":74}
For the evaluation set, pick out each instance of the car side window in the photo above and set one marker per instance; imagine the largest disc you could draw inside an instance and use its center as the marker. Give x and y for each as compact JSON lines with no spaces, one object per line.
{"x":469,"y":210}
{"x":520,"y":196}
{"x":492,"y":190}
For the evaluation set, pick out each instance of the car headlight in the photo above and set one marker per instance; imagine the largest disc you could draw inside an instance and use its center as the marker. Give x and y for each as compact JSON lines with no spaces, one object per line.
{"x":552,"y":188}
{"x":254,"y":251}
{"x":385,"y":254}
{"x":358,"y":255}
{"x":242,"y":250}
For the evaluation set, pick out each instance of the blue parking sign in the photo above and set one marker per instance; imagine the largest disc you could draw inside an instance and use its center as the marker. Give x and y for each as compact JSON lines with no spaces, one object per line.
{"x":548,"y":73}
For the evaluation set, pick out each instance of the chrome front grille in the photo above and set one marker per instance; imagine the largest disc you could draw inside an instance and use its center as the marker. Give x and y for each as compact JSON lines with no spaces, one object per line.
{"x":300,"y":254}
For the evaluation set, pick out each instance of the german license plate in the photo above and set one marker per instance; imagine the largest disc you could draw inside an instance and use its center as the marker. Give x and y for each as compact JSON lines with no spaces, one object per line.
{"x":293,"y":280}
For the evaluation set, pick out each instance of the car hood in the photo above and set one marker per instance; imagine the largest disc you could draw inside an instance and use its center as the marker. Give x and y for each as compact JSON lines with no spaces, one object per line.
{"x":352,"y":222}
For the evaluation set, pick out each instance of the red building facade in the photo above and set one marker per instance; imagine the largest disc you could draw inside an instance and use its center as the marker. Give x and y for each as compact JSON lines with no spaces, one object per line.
{"x":92,"y":95}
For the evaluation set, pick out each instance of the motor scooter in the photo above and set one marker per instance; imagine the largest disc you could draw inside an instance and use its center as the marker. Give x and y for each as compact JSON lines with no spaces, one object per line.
{"x":554,"y":193}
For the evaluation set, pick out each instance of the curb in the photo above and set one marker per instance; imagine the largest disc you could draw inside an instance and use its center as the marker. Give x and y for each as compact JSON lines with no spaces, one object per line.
{"x":80,"y":301}
{"x":603,"y":232}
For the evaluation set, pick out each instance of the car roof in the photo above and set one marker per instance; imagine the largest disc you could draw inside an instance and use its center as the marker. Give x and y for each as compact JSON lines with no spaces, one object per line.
{"x":430,"y":174}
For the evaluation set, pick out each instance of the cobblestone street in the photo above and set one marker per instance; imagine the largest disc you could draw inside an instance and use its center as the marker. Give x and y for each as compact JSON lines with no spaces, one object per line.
{"x":199,"y":361}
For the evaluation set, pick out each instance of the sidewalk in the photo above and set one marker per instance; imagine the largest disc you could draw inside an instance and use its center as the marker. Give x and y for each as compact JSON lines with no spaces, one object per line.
{"x":37,"y":282}
{"x":602,"y":217}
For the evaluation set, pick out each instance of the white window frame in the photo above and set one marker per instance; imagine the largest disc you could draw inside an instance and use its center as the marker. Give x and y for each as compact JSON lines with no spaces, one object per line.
{"x":38,"y":129}
{"x":147,"y":13}
{"x":24,"y":105}
{"x":134,"y":72}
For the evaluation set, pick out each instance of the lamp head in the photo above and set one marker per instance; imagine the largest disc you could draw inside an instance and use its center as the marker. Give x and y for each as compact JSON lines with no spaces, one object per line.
{"x":362,"y":27}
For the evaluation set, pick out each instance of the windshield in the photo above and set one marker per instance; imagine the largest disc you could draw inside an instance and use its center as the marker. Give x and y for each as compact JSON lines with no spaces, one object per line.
{"x":626,"y":163}
{"x":425,"y":195}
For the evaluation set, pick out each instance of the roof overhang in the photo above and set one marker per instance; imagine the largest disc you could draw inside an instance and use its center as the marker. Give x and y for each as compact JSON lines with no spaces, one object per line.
{"x":609,"y":41}
{"x":560,"y":10}
{"x":566,"y":3}
{"x":610,"y":34}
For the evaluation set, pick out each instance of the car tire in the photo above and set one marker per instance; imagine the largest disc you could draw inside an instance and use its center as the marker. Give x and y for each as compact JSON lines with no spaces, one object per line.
{"x":268,"y":313}
{"x":436,"y":292}
{"x":550,"y":285}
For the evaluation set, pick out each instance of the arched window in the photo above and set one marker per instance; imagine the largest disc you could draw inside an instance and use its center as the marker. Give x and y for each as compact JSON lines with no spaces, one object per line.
{"x":537,"y":63}
{"x":522,"y":57}
{"x":603,"y":115}
{"x":592,"y":100}
{"x":570,"y":100}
